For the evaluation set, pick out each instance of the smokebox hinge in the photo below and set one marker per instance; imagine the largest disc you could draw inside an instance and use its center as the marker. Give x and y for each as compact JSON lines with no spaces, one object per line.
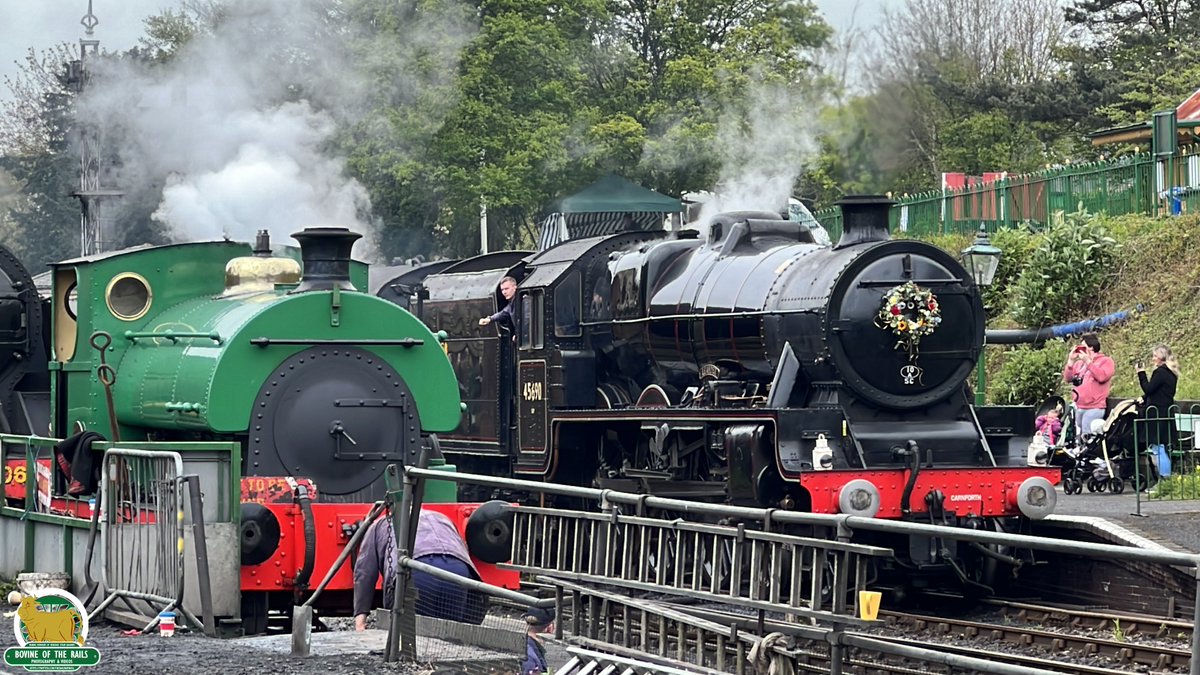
{"x":335,"y":307}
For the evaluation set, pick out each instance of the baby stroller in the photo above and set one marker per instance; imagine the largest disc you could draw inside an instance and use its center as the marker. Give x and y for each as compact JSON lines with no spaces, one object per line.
{"x":1103,"y":458}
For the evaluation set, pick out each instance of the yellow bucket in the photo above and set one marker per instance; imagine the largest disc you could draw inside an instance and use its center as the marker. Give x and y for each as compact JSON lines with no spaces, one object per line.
{"x":868,"y":604}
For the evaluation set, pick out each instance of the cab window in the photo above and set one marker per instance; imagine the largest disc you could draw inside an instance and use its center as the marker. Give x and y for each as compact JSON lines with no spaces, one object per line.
{"x":531,"y":320}
{"x":566,"y":306}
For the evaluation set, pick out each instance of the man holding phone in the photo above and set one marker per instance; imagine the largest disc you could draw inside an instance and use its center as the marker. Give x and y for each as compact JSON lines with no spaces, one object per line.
{"x":1091,"y":372}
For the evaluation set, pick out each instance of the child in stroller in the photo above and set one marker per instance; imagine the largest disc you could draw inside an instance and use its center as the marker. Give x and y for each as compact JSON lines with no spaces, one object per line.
{"x":1103,"y":457}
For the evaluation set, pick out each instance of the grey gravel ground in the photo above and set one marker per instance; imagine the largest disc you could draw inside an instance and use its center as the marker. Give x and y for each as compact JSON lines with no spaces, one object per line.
{"x":150,"y":654}
{"x":336,"y":652}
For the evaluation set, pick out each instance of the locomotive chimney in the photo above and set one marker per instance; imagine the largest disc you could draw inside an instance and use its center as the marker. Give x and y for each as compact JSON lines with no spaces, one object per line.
{"x":326,"y":255}
{"x":864,"y":219}
{"x":262,"y":244}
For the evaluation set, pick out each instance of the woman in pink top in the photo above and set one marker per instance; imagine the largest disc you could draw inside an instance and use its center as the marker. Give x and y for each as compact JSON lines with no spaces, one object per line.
{"x":1091,"y":372}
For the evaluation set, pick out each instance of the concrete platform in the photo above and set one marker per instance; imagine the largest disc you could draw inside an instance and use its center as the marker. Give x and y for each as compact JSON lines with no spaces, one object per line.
{"x":1120,"y":519}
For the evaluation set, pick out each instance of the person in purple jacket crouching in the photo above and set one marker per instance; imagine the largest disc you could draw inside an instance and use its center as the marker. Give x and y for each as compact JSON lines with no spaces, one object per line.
{"x":438,"y":544}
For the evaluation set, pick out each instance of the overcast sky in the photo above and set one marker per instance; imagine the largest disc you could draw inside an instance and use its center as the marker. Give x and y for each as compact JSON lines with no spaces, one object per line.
{"x":44,"y":23}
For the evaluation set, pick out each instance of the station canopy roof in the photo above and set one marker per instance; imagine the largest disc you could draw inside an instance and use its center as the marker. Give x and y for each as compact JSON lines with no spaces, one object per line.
{"x":610,"y":205}
{"x":1187,"y":116}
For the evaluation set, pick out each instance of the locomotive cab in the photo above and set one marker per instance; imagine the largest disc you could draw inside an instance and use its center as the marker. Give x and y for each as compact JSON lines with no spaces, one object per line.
{"x":452,"y":298}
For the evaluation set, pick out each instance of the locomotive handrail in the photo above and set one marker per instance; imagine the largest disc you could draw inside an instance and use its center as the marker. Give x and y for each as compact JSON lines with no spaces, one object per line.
{"x":171,"y":335}
{"x":888,"y":283}
{"x":697,"y":317}
{"x":403,"y":342}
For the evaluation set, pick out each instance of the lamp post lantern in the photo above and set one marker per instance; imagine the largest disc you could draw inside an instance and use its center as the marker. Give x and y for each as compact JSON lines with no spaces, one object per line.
{"x":981,"y":260}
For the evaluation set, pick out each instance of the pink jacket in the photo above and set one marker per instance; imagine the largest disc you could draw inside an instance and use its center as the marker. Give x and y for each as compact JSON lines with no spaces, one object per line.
{"x":1048,"y":427}
{"x":1092,"y":394}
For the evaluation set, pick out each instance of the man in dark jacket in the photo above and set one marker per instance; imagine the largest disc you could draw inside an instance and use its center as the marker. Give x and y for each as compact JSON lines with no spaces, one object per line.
{"x":438,"y":544}
{"x":506,"y":315}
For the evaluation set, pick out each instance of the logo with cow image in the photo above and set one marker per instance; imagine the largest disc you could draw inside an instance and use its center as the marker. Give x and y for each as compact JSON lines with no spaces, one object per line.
{"x":51,"y":628}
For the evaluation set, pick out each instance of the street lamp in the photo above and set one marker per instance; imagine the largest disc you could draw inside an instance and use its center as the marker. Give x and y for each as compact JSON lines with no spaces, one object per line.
{"x":981,"y":260}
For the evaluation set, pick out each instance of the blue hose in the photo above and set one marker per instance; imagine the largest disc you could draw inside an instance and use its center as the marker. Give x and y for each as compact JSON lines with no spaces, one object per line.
{"x":1037,"y":336}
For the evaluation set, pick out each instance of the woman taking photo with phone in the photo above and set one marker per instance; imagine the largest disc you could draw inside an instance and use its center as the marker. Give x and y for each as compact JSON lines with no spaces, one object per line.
{"x":1157,"y":432}
{"x":1090,"y":371}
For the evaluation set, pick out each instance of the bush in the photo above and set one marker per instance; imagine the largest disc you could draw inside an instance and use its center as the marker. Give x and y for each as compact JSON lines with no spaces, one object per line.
{"x":1017,"y":245}
{"x":1065,"y":271}
{"x":1029,"y":376}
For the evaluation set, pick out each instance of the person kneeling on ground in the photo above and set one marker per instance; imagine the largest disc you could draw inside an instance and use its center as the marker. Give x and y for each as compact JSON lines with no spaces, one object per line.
{"x":438,"y":544}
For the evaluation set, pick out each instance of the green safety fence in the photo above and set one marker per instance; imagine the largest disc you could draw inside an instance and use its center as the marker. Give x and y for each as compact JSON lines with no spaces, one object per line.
{"x":1169,"y":473}
{"x":1131,"y":184}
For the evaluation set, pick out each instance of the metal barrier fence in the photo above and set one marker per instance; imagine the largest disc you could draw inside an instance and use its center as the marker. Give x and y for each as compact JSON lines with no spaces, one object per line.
{"x":760,"y":570}
{"x":842,"y":525}
{"x":1165,"y":446}
{"x":141,"y":512}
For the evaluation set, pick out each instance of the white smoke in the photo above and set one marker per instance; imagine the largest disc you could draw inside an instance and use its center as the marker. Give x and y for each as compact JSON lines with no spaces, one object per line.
{"x":235,"y":130}
{"x":765,"y":144}
{"x":274,"y":179}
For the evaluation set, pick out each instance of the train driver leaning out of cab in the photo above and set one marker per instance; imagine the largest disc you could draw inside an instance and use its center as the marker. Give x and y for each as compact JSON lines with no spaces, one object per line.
{"x":438,"y":544}
{"x":508,"y":288}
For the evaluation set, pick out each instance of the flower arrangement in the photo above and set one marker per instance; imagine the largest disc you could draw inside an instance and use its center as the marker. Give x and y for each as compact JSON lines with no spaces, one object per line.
{"x":910,"y":313}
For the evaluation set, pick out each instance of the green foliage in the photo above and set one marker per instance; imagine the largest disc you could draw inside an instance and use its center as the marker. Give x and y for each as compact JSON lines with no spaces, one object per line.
{"x":1017,"y":245}
{"x":1178,"y":486}
{"x":1064,"y":272}
{"x":1027,"y":375}
{"x":45,"y":222}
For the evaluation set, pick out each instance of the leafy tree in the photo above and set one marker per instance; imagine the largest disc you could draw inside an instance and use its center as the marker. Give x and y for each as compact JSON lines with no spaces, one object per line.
{"x":35,"y":127}
{"x":962,"y":85}
{"x":1148,"y":48}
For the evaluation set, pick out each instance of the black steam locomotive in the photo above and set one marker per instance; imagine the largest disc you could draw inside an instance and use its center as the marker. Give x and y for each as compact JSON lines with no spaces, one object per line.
{"x":750,"y":364}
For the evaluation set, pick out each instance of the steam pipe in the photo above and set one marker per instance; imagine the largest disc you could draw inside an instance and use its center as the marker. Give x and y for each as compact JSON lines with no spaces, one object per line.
{"x":1038,"y":336}
{"x":909,"y":450}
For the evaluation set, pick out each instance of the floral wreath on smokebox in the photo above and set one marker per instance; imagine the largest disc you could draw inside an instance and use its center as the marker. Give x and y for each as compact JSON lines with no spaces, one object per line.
{"x":910,"y":313}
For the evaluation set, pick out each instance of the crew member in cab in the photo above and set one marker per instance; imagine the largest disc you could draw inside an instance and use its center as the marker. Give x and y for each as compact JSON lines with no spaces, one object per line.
{"x":508,"y":288}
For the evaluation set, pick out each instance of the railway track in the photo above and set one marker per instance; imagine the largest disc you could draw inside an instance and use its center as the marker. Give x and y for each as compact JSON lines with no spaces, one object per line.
{"x":1122,"y":623}
{"x":716,"y":604}
{"x":1118,"y":649}
{"x":1086,"y":653}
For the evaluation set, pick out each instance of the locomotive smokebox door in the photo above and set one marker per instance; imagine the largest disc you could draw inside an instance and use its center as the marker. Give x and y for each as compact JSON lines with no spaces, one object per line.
{"x":531,"y":407}
{"x":337,"y":412}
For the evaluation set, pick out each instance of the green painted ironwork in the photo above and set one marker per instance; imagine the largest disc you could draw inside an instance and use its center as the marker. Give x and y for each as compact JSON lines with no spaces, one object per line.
{"x":1131,"y":184}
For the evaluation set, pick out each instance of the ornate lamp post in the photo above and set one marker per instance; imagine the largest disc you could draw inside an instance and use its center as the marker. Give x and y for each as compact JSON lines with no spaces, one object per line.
{"x":981,"y":260}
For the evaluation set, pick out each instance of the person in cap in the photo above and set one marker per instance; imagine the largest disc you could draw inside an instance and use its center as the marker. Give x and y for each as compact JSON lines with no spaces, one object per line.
{"x":539,"y":620}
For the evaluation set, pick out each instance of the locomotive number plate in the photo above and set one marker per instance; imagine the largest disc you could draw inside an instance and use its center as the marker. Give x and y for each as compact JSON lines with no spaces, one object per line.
{"x":531,"y":406}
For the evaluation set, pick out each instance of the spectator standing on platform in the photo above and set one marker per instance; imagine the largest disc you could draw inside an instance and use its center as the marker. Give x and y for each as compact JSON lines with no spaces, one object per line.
{"x":1090,"y":371}
{"x":438,"y":544}
{"x":1157,"y":403}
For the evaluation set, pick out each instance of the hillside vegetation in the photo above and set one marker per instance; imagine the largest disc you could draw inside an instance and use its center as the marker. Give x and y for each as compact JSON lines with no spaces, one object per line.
{"x":1088,"y":265}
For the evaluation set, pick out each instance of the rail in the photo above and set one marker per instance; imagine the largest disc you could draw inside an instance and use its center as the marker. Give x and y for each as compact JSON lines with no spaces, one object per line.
{"x":758,"y":570}
{"x":664,"y":637}
{"x":611,"y":502}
